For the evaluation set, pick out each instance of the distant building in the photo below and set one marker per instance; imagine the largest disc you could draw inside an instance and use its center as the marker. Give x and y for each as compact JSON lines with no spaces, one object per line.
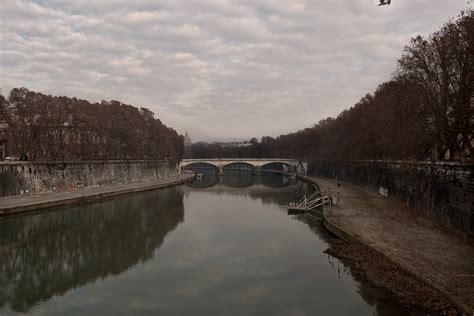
{"x":245,"y":144}
{"x":188,"y":153}
{"x":187,"y":141}
{"x":233,"y":144}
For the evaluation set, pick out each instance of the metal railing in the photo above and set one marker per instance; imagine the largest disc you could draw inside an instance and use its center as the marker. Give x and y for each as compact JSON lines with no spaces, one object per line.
{"x":309,"y":203}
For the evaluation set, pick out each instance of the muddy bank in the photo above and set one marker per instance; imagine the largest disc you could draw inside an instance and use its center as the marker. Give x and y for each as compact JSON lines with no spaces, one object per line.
{"x":370,"y":267}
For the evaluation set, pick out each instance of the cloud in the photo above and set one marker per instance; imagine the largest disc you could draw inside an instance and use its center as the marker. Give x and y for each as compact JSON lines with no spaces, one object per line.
{"x":218,"y":69}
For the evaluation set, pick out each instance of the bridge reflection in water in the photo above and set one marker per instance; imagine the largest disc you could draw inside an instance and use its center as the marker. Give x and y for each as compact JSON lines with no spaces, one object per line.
{"x":240,"y":179}
{"x":267,"y":187}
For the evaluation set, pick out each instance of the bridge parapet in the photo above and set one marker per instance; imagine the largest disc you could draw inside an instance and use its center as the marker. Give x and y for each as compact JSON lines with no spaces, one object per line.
{"x":292,"y":165}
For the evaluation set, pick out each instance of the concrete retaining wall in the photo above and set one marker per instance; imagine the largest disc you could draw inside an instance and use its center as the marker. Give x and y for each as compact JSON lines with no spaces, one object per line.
{"x":445,"y":191}
{"x":36,"y":177}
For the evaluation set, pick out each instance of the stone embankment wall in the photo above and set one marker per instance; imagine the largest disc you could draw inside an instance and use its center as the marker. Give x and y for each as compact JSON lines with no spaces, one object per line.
{"x":36,"y":177}
{"x":444,"y":191}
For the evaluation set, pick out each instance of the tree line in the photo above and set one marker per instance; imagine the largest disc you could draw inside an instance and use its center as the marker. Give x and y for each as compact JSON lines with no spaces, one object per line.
{"x":424,"y":112}
{"x":45,"y":127}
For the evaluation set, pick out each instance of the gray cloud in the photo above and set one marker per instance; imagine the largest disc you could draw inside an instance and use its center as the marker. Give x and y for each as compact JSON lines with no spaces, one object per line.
{"x":218,"y":69}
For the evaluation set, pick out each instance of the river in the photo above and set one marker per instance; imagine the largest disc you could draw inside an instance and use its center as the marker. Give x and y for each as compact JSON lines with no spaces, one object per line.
{"x":220,"y":246}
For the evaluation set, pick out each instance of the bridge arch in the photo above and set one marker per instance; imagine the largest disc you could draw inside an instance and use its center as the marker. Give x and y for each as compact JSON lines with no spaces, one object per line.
{"x":277,"y":165}
{"x":200,"y":166}
{"x":283,"y":164}
{"x":239,"y":165}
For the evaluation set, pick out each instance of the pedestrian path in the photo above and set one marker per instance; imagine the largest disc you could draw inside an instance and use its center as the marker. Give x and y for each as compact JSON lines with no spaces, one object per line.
{"x":406,"y":237}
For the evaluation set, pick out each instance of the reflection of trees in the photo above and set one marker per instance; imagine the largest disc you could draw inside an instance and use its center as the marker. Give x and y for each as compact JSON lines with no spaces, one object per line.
{"x":380,"y":298}
{"x":238,"y":179}
{"x":269,"y":188}
{"x":383,"y":301}
{"x":48,"y":254}
{"x":279,"y":195}
{"x":279,"y":189}
{"x":315,"y":225}
{"x":274,"y":180}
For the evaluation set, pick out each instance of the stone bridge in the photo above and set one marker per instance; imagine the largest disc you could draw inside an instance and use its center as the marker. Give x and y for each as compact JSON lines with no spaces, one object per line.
{"x":249,"y":164}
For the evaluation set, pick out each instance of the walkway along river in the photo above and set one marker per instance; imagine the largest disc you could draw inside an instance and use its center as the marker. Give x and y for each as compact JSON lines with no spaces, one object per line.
{"x":219,"y":246}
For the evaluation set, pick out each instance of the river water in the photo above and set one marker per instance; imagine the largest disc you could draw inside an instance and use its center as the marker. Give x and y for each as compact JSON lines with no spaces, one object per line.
{"x":220,"y":246}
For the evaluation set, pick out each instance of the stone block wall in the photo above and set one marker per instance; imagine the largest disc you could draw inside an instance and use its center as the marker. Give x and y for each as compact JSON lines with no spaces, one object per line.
{"x":38,"y":177}
{"x":445,"y":191}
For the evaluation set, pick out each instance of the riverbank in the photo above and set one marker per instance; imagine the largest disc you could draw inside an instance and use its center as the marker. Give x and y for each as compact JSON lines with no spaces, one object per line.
{"x":38,"y":177}
{"x":27,"y":203}
{"x":387,"y":279}
{"x":408,"y":239}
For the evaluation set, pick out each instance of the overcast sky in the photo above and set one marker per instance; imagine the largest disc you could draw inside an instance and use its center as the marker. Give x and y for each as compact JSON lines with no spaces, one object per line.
{"x":220,"y":70}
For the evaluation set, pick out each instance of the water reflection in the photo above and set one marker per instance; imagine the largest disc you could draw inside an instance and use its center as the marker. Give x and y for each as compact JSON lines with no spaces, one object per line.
{"x":238,"y":179}
{"x":383,"y":302}
{"x":47,"y":254}
{"x":207,"y":180}
{"x":241,"y":179}
{"x":237,"y":253}
{"x":272,"y":180}
{"x":267,"y":187}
